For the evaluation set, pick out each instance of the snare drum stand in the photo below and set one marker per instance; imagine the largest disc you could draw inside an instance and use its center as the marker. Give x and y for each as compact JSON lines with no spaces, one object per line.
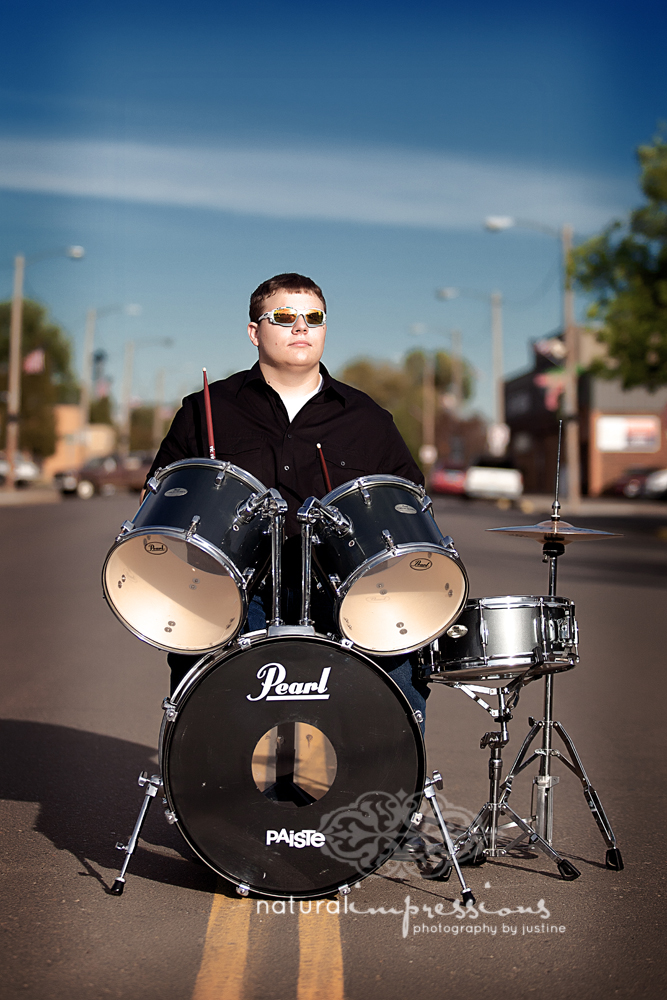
{"x":485,"y":826}
{"x":543,"y":783}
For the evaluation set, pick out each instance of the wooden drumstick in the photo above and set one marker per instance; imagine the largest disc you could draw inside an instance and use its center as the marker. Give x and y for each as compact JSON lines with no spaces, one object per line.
{"x":209,"y":417}
{"x":327,"y":481}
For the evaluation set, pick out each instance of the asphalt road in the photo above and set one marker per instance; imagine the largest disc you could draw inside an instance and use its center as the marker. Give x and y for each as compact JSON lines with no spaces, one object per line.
{"x":81,"y":711}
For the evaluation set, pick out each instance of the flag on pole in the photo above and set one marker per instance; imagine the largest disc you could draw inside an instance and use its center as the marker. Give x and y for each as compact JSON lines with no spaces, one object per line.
{"x":33,"y":363}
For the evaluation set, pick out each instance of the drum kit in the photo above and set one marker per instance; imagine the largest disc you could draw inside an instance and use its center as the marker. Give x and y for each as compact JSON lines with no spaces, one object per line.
{"x":290,"y":761}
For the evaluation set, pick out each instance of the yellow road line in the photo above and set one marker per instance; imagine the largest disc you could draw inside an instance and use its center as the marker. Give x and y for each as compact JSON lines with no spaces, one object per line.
{"x":320,"y":957}
{"x":223,"y":963}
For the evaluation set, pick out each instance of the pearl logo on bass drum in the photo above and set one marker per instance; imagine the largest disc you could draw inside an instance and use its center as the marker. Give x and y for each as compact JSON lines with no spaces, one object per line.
{"x":276,"y":688}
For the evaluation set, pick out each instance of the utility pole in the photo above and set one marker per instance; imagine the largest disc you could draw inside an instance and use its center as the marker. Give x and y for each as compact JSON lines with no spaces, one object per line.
{"x":428,"y":452}
{"x":571,"y":376}
{"x":14,"y":386}
{"x":157,"y":412}
{"x":457,"y":371}
{"x":86,"y":380}
{"x":125,"y":421}
{"x":497,"y":341}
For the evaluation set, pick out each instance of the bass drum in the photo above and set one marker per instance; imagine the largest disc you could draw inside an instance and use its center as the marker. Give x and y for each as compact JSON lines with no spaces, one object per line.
{"x":180,"y":574}
{"x":502,"y":638}
{"x":292,"y":765}
{"x":398,"y":581}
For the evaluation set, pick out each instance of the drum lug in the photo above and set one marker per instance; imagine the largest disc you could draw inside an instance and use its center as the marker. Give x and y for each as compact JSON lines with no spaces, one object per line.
{"x":388,"y":540}
{"x":334,"y":580}
{"x":427,"y":504}
{"x":248,"y":573}
{"x":361,"y":486}
{"x":169,"y":709}
{"x":244,"y":642}
{"x":125,"y":528}
{"x":220,"y":476}
{"x":153,"y":484}
{"x":243,"y":889}
{"x":347,"y":643}
{"x":193,"y":527}
{"x":448,"y":543}
{"x":170,"y":817}
{"x":344,"y":889}
{"x":419,"y":716}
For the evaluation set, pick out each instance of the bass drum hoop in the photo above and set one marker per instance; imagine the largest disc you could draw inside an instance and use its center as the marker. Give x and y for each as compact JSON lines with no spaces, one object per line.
{"x":205,"y":546}
{"x":188,"y":686}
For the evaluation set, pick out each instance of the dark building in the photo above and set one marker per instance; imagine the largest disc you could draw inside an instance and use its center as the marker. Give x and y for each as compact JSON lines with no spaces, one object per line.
{"x":618,"y":429}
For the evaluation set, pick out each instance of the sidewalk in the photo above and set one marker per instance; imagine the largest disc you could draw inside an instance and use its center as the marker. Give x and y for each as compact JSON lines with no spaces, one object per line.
{"x":28,"y":496}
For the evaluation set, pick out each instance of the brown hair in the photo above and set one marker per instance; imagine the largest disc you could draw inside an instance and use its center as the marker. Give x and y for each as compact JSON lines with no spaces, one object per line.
{"x":290,"y":282}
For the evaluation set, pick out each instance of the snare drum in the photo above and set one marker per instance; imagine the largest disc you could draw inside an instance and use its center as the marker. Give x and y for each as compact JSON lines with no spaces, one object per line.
{"x":292,"y":765}
{"x":397,"y":580}
{"x":180,"y":575}
{"x":501,"y":638}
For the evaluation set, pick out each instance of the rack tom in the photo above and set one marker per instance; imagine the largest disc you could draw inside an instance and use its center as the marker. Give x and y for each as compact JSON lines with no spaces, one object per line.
{"x":398,"y":582}
{"x":181,"y":573}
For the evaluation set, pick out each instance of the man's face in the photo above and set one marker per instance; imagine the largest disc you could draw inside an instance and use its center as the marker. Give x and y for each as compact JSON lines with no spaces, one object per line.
{"x":295,"y":348}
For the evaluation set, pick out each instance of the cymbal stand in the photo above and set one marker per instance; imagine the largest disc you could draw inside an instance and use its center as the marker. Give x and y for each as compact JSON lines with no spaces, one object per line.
{"x":543,"y":784}
{"x":485,"y":826}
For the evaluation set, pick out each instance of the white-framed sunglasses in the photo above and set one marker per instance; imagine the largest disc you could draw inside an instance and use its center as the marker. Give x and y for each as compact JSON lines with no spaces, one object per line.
{"x":287,"y":316}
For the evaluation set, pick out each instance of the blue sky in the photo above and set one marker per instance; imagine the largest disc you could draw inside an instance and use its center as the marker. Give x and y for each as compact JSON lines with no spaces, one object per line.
{"x":194,"y":150}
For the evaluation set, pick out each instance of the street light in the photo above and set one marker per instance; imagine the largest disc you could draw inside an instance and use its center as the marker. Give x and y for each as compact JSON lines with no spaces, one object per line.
{"x":15,"y":350}
{"x":498,"y":223}
{"x":499,"y":434}
{"x":128,"y":370}
{"x":92,"y":317}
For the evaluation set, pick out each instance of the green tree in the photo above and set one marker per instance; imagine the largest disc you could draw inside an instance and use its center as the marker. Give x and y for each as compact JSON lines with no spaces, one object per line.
{"x":42,"y":390}
{"x":398,"y":387}
{"x":625,"y":267}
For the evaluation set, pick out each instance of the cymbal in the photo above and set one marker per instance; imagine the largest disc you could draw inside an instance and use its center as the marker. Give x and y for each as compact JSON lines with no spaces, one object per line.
{"x":559,"y":531}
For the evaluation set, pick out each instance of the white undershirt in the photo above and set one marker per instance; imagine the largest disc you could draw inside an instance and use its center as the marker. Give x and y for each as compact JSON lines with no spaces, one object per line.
{"x":294,"y":403}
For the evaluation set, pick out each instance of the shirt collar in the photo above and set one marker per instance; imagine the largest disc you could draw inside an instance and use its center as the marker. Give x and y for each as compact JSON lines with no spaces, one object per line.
{"x":254,"y":374}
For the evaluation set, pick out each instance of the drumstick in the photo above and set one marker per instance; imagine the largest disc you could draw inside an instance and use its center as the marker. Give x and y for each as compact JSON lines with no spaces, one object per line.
{"x":209,"y":417}
{"x":327,"y":481}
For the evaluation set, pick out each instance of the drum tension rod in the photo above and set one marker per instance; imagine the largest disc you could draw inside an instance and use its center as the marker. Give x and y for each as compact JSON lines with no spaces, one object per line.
{"x":153,"y":785}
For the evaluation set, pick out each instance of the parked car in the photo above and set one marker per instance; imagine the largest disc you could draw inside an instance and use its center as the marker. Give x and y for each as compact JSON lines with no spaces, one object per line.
{"x":655,"y":485}
{"x":631,"y":482}
{"x":107,"y":474}
{"x":493,"y":479}
{"x":447,"y":480}
{"x":25,"y":470}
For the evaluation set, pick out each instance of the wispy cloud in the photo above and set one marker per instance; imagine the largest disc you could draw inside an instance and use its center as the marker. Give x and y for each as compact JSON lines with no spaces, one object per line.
{"x":361,"y":186}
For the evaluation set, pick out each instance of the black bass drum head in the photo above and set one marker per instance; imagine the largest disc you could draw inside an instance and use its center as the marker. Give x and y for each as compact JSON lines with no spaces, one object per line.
{"x":293,"y":765}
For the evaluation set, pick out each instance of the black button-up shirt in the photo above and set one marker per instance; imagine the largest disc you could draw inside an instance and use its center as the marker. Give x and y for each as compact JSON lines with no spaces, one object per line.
{"x":252,"y":430}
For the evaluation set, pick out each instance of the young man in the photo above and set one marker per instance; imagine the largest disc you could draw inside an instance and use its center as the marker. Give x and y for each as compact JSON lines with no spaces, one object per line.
{"x":269,"y":421}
